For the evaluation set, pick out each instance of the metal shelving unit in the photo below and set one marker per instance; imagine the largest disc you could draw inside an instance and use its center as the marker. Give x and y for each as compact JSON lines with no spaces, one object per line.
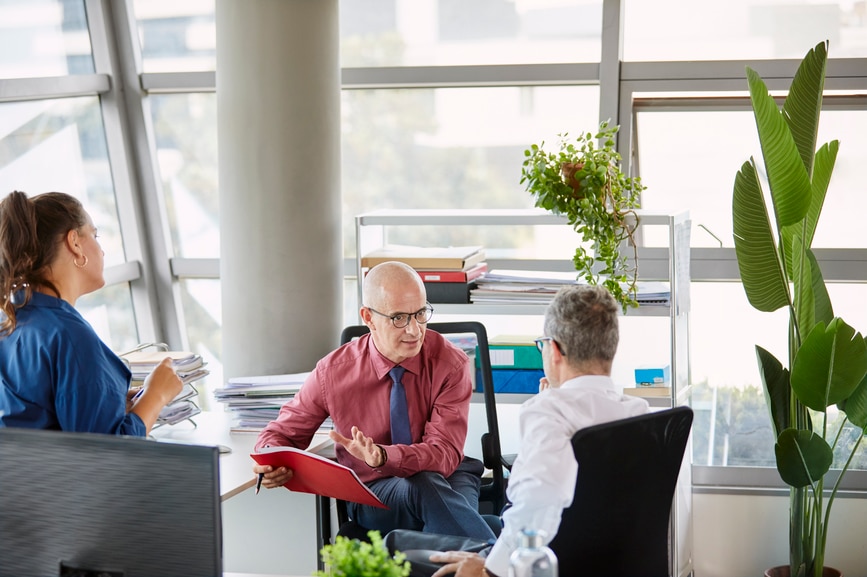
{"x":669,"y":264}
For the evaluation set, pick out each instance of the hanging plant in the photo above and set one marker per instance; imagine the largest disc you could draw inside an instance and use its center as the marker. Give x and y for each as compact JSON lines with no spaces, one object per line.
{"x":582,"y":181}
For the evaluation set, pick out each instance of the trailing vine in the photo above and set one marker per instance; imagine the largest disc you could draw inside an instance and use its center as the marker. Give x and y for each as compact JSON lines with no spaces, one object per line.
{"x":583,"y":181}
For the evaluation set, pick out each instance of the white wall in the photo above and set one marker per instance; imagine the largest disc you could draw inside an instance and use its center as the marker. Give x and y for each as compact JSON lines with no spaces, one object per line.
{"x":741,"y":535}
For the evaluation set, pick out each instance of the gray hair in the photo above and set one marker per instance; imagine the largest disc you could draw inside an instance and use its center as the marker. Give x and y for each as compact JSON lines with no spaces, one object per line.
{"x":582,"y":319}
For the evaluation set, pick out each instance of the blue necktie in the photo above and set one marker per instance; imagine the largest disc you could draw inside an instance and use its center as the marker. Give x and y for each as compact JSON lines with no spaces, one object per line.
{"x":400,"y":431}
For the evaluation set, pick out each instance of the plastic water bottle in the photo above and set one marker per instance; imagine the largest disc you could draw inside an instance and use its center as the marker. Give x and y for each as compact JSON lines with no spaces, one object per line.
{"x":532,"y":558}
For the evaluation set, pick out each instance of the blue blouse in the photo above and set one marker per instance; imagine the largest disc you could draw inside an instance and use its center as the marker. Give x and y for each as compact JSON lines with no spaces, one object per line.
{"x":56,"y":373}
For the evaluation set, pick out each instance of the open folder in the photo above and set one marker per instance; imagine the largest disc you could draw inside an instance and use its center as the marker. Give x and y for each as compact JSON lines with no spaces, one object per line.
{"x":318,"y":475}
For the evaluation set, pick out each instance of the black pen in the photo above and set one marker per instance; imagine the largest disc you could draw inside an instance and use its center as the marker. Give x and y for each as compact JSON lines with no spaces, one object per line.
{"x":259,"y":482}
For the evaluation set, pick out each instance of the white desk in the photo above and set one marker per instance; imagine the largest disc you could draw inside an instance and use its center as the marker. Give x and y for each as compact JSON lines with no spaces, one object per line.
{"x":256,"y":542}
{"x":236,"y":466}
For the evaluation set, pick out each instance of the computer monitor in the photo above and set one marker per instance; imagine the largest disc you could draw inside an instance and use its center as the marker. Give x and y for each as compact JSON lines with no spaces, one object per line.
{"x":88,"y":505}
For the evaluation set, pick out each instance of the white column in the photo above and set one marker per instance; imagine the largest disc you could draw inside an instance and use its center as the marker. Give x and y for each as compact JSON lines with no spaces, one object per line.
{"x":278,"y":110}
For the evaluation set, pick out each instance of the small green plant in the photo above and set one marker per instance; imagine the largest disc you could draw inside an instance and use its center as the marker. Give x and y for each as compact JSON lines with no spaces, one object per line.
{"x":583,"y":181}
{"x":355,"y":558}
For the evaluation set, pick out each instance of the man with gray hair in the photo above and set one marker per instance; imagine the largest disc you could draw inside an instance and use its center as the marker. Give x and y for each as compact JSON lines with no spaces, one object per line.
{"x":578,"y":347}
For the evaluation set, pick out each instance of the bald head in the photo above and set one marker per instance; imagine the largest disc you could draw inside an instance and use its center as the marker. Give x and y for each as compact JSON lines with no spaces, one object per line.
{"x":389,"y":281}
{"x":393,"y":288}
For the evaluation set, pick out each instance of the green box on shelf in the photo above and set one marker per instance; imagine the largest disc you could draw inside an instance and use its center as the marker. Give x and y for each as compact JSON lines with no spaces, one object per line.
{"x":513,"y":352}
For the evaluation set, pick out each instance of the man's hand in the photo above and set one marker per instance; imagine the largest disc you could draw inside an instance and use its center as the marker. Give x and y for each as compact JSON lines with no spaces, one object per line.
{"x":461,"y":563}
{"x":273,"y":477}
{"x":361,"y":447}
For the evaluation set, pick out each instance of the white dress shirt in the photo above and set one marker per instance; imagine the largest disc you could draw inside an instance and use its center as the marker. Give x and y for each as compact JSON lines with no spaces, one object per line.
{"x":542,"y":481}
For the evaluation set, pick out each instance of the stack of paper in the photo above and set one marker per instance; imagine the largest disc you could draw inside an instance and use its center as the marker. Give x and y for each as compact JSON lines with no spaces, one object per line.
{"x":255,"y":401}
{"x":522,"y":287}
{"x":190,"y":367}
{"x":539,"y":287}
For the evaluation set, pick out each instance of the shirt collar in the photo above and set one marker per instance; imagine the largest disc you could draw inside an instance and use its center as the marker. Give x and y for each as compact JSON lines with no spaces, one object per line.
{"x":382,"y":364}
{"x":598,"y":382}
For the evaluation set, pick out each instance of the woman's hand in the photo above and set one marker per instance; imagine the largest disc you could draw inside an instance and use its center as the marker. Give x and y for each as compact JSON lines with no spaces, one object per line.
{"x":163,"y":382}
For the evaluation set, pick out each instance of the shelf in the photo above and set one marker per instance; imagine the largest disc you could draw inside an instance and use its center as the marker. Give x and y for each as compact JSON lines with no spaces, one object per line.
{"x":531,"y":309}
{"x":493,"y":217}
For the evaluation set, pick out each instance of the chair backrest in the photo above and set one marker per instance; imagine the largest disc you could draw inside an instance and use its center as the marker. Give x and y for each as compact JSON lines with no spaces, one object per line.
{"x":618,"y":523}
{"x":495,"y":491}
{"x":99,"y":504}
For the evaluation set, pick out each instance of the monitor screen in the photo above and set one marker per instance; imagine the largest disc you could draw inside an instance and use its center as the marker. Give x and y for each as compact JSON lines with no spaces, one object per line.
{"x":86,"y":505}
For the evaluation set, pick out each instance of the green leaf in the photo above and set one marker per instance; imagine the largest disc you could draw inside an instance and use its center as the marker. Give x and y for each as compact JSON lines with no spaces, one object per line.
{"x":762,"y":273}
{"x":829,"y":365}
{"x":856,"y":405}
{"x":787,"y":176}
{"x":800,"y":273}
{"x":804,"y":102}
{"x":823,"y":311}
{"x":803,"y":457}
{"x":823,"y":167}
{"x":775,"y":379}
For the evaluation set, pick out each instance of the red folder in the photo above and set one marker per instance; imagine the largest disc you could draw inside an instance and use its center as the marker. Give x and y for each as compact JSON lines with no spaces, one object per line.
{"x":454,"y":275}
{"x":318,"y":475}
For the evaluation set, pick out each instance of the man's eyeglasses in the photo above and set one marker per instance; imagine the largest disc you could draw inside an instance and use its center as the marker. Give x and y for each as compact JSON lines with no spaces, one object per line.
{"x":540,"y":342}
{"x":401,"y":320}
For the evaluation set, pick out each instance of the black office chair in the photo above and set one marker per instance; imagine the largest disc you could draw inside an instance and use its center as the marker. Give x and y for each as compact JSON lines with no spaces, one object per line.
{"x":492,"y":495}
{"x":618,"y":523}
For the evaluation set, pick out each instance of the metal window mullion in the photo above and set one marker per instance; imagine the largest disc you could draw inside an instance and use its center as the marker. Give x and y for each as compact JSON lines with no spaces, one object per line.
{"x":132,"y":154}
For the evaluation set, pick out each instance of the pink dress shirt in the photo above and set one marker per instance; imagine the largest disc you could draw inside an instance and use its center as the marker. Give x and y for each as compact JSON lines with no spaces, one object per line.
{"x":352,"y":385}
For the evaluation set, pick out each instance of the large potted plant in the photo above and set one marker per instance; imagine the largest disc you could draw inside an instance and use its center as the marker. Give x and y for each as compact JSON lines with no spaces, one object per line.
{"x":583,"y":181}
{"x":827,"y":359}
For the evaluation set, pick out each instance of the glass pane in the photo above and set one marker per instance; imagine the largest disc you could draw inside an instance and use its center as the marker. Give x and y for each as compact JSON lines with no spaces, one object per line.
{"x":732,"y":426}
{"x":59,"y":145}
{"x":456,"y":32}
{"x":109,"y":310}
{"x":177,"y":36}
{"x":740,"y":29}
{"x":201,"y":301}
{"x":710,"y":149}
{"x":450,"y":148}
{"x":185,"y":128}
{"x":731,"y":422}
{"x":44,"y":38}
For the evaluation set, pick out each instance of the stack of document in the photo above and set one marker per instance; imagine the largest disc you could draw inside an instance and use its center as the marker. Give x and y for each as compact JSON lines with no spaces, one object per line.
{"x":539,"y":287}
{"x":255,"y":401}
{"x":190,"y":367}
{"x":520,"y":287}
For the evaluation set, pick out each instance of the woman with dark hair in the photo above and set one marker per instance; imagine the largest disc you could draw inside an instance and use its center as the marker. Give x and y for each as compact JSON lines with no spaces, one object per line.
{"x":55,"y":371}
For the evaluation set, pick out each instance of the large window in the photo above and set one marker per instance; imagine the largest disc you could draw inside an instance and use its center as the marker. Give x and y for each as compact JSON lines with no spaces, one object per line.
{"x":60,"y":145}
{"x":42,"y":38}
{"x":449,"y":148}
{"x":458,"y":33}
{"x":740,"y":29}
{"x":441,"y":99}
